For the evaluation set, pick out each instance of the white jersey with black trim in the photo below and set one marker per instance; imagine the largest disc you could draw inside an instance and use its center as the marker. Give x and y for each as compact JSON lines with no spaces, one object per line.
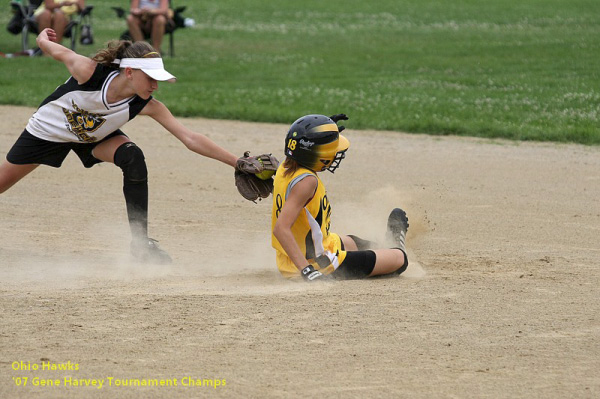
{"x":81,"y":113}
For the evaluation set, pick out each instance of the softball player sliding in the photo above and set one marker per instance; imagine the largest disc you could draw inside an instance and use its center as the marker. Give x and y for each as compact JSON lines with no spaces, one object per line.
{"x":85,"y":114}
{"x":301,"y":215}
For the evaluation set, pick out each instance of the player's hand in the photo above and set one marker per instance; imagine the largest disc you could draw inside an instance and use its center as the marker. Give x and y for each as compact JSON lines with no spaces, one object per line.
{"x":47,"y":34}
{"x":310,"y":274}
{"x":339,"y":117}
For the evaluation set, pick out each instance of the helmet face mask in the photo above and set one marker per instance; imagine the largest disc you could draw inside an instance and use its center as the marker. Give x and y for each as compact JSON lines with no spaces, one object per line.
{"x":336,"y":161}
{"x":314,"y":142}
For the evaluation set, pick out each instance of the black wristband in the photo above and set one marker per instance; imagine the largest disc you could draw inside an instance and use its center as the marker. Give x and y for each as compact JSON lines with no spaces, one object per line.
{"x":307,"y":270}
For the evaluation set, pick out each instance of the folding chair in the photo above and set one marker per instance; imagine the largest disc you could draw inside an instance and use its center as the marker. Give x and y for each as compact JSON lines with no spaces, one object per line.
{"x":24,"y":22}
{"x":81,"y":26}
{"x":178,"y":22}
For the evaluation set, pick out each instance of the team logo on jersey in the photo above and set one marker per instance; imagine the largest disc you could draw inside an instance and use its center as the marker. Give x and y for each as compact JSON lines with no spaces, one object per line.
{"x":326,"y":209}
{"x":82,"y":122}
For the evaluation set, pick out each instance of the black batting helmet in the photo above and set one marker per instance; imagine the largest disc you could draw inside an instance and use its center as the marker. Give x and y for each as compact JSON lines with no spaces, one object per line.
{"x":314,"y":141}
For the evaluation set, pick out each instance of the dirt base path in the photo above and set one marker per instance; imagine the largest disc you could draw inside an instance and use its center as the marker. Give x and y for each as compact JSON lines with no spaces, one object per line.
{"x":500,"y":300}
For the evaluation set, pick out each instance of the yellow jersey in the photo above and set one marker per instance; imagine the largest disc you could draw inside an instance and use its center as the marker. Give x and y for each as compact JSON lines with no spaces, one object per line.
{"x":67,"y":10}
{"x":311,"y":228}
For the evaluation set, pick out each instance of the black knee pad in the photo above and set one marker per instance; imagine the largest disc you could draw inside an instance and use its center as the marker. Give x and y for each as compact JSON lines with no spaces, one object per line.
{"x":356,"y":265}
{"x":130,"y":158}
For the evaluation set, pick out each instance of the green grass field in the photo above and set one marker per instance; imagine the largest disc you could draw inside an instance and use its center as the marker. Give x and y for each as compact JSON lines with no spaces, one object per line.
{"x":525,"y":70}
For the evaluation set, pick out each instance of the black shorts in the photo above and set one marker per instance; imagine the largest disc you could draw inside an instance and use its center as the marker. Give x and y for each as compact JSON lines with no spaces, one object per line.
{"x":360,"y":264}
{"x":29,"y":149}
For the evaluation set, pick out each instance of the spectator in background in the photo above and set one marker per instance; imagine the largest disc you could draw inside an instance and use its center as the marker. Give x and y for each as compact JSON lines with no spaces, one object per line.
{"x":149,"y":17}
{"x":56,"y":14}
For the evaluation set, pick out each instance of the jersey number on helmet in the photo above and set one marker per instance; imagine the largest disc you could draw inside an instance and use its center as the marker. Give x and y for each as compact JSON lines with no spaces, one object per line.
{"x":292,"y":145}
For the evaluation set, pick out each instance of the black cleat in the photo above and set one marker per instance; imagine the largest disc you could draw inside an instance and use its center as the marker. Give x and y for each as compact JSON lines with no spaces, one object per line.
{"x":397,"y":226}
{"x":146,"y":250}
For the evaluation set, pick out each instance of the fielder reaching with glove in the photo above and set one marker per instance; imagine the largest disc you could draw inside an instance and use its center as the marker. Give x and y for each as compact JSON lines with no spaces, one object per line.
{"x":301,"y":215}
{"x":85,"y":114}
{"x":255,"y":186}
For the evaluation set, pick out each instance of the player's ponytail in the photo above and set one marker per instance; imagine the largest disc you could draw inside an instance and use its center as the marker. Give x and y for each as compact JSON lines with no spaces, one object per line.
{"x":113,"y":50}
{"x":291,"y":166}
{"x":119,"y":49}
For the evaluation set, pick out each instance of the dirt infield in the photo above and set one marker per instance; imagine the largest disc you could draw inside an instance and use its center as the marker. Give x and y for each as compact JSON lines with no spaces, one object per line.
{"x":500,"y":300}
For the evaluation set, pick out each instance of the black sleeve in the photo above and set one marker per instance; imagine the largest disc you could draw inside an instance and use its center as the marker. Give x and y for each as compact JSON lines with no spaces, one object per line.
{"x":137,"y":105}
{"x":94,"y":83}
{"x":98,"y":77}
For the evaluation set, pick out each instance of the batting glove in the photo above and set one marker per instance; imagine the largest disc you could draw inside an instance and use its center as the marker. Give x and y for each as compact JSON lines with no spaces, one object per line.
{"x":309,"y":273}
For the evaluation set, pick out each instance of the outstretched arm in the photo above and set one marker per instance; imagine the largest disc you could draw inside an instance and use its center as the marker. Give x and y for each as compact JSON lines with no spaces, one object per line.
{"x":80,"y":67}
{"x":196,"y":142}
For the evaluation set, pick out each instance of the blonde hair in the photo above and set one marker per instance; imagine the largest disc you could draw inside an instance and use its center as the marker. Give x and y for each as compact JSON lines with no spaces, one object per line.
{"x":119,"y":49}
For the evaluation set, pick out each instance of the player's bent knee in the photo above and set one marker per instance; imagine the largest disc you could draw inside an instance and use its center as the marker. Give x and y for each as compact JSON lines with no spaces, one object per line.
{"x":130,"y":158}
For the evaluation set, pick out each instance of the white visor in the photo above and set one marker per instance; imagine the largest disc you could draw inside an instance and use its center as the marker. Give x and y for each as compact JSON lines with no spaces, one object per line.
{"x":152,"y":67}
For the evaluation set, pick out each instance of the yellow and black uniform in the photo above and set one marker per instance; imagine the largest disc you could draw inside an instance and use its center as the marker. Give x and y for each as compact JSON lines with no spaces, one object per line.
{"x":311,"y":228}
